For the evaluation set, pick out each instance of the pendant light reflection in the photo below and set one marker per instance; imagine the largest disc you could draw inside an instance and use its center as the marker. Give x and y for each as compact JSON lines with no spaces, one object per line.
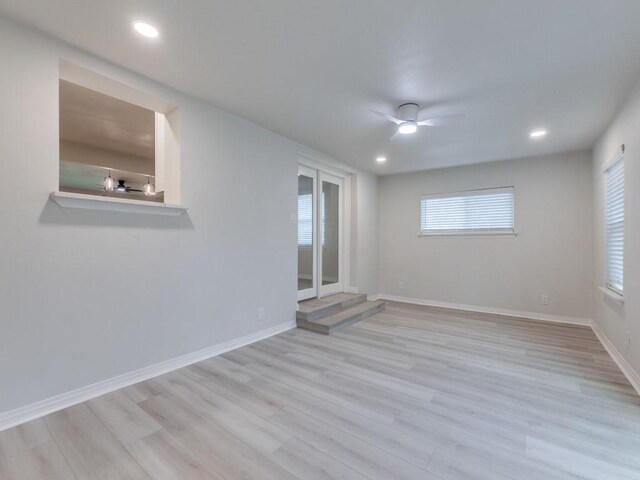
{"x":109,"y":183}
{"x":148,"y":188}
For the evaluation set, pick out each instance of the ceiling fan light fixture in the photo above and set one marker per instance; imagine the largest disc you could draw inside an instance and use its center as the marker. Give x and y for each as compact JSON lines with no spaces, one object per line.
{"x":148,"y":188}
{"x":109,"y":183}
{"x":407,"y":128}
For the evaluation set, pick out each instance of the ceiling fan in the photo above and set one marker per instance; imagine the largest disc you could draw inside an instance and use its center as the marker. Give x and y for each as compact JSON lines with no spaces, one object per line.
{"x":407,"y":119}
{"x":121,"y":187}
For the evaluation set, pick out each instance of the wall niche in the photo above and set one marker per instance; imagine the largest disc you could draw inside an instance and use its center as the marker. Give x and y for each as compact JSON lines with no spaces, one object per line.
{"x":116,"y":142}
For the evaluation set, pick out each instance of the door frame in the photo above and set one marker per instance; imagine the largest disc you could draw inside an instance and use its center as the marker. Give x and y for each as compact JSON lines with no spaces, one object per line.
{"x":307,"y":161}
{"x":313,"y":290}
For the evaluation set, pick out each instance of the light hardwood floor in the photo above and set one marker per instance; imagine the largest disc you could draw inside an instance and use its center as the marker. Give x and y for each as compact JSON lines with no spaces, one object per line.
{"x":410,"y":393}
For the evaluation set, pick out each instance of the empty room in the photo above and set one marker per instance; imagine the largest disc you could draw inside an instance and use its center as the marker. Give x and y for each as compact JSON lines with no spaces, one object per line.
{"x":320,"y":239}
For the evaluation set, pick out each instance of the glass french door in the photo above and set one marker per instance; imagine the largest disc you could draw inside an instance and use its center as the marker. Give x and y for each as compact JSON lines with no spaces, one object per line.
{"x":320,"y":206}
{"x":307,"y":233}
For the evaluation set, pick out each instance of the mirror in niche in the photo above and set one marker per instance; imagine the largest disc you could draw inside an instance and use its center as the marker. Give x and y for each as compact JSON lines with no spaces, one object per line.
{"x":107,"y":146}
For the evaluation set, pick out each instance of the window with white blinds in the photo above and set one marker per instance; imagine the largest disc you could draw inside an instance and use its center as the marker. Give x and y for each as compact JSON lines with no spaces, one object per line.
{"x":614,"y":219}
{"x":305,"y":220}
{"x":477,"y":212}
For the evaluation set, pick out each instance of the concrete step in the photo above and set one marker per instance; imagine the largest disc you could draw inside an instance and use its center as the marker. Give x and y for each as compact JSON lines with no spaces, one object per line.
{"x":342,"y":318}
{"x":315,"y":308}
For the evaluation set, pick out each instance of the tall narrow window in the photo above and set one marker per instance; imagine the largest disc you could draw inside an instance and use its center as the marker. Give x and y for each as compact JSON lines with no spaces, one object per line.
{"x":614,"y":219}
{"x":477,"y":211}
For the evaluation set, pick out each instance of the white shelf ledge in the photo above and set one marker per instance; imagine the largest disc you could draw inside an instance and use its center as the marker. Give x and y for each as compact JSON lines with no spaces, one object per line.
{"x":97,"y":202}
{"x":612,"y":295}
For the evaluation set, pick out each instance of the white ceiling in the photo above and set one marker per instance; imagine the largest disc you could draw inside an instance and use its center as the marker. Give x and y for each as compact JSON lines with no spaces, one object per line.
{"x":311,"y":70}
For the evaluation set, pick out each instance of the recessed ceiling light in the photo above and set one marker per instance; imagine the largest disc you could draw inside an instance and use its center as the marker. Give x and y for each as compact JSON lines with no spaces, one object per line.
{"x":146,"y":30}
{"x":407,"y":128}
{"x":538,"y":133}
{"x":381,"y":159}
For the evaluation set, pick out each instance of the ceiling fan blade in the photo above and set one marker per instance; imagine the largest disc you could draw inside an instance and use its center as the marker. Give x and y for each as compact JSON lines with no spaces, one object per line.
{"x":388,"y":117}
{"x":129,"y":189}
{"x":442,"y":120}
{"x":395,"y":136}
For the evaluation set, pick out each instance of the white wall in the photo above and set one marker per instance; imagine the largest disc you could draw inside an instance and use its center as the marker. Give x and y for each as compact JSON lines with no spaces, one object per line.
{"x":620,"y":323}
{"x":551,"y":254}
{"x":88,"y":295}
{"x":365,"y":233}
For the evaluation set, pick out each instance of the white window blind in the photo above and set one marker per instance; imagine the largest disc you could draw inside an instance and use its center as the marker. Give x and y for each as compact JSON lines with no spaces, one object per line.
{"x":477,"y":211}
{"x":614,"y":218}
{"x":305,"y":220}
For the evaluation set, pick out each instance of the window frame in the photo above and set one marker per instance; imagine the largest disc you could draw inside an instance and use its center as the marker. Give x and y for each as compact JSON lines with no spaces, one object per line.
{"x":470,"y":232}
{"x":617,"y":289}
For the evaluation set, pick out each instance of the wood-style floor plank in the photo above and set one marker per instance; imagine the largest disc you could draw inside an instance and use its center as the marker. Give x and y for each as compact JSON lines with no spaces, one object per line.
{"x":410,"y":393}
{"x":126,"y":420}
{"x":42,"y":462}
{"x":23,"y":437}
{"x":91,"y":450}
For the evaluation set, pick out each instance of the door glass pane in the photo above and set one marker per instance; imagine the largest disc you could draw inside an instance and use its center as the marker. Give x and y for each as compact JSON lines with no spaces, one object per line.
{"x":305,"y":232}
{"x":329,"y":235}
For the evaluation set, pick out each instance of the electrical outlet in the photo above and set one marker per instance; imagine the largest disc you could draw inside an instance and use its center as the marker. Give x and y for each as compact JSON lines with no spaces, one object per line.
{"x":401,"y":285}
{"x":544,"y":299}
{"x":261,"y":313}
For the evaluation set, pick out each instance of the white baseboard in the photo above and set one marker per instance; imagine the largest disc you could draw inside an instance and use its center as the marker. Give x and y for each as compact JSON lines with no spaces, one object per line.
{"x":614,"y":353}
{"x":39,"y":409}
{"x":567,"y":320}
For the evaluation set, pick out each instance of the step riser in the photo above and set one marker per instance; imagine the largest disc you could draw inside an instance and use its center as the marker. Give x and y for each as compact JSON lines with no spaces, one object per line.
{"x":344,"y":323}
{"x":330,"y":309}
{"x":357,"y":318}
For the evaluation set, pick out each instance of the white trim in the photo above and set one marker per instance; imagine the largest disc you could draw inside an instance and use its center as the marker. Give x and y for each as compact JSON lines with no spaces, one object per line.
{"x":346,"y":229}
{"x":113,"y":204}
{"x":618,"y":358}
{"x":39,"y":409}
{"x":328,"y":166}
{"x":337,"y":285}
{"x":545,"y":317}
{"x":312,"y":291}
{"x":612,"y":294}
